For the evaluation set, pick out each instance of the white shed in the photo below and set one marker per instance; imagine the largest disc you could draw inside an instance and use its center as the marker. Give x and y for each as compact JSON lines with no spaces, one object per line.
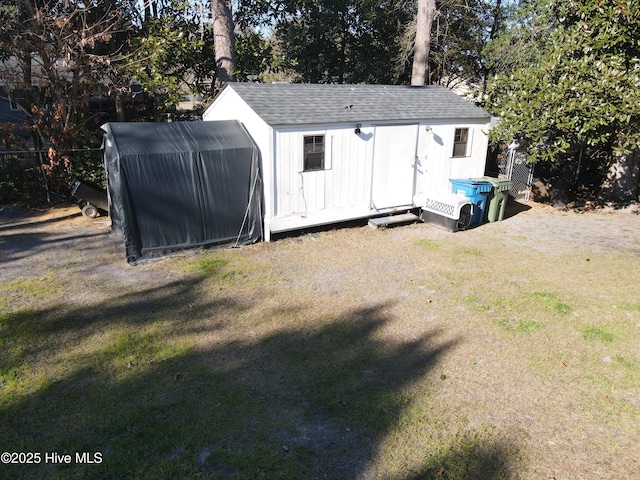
{"x":332,"y":153}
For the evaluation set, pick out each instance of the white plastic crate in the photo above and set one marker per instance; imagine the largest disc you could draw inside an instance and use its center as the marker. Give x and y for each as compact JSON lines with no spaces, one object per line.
{"x":445,"y":203}
{"x":446,"y":210}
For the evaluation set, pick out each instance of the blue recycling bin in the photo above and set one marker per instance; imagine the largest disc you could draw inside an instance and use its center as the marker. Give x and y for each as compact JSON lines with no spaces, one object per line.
{"x":477,"y":192}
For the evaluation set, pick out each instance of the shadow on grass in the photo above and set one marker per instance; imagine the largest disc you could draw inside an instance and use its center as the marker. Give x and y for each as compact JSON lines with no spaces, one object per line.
{"x":470,"y":458}
{"x":17,"y":245}
{"x":23,"y":234}
{"x":19,"y":219}
{"x":179,"y":382}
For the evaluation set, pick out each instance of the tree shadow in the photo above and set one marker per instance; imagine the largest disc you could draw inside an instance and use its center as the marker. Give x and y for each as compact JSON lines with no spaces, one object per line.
{"x":308,"y":401}
{"x":25,"y":219}
{"x":187,"y":380}
{"x":471,"y":459}
{"x":16,"y":246}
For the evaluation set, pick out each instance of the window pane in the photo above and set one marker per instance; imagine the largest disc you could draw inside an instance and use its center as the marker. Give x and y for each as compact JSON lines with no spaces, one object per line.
{"x":314,"y":161}
{"x":459,"y":149}
{"x":460,"y":142}
{"x":313,"y":153}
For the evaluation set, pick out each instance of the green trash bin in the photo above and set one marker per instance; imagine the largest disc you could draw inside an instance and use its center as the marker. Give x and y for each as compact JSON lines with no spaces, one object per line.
{"x":497,"y":200}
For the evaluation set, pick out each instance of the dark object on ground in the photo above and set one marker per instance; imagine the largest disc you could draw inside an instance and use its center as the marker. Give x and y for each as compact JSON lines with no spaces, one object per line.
{"x":91,"y":198}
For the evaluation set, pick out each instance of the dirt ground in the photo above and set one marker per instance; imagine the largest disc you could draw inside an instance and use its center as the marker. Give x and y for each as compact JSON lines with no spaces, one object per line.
{"x":356,"y":260}
{"x":34,"y":241}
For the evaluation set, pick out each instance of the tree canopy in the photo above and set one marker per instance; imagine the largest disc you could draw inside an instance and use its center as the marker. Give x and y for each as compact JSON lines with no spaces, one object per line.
{"x":584,"y":88}
{"x":562,"y":75}
{"x":56,"y":56}
{"x":580,"y":85}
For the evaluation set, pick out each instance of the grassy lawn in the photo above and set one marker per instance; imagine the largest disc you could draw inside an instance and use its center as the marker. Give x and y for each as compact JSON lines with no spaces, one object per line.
{"x":406,"y":353}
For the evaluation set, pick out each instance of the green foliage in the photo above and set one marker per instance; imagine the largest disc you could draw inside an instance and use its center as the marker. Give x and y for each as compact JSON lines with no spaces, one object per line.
{"x":520,"y":41}
{"x":172,"y":55}
{"x":334,"y":40}
{"x":254,"y":54}
{"x":457,"y":41}
{"x":13,"y":181}
{"x":89,"y":167}
{"x":584,"y":86}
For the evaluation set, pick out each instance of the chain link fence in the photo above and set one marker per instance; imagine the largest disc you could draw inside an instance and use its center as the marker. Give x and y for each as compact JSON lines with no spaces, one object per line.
{"x":514,"y":166}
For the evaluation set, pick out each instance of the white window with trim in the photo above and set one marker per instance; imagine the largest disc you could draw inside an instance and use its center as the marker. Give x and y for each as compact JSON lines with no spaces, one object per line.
{"x":313,"y":153}
{"x":460,"y":142}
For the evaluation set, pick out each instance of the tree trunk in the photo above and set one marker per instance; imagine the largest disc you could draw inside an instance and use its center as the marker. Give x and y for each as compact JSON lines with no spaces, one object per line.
{"x":119,"y":107}
{"x":424,"y":20}
{"x":223,"y":42}
{"x":495,"y":25}
{"x":620,"y":186}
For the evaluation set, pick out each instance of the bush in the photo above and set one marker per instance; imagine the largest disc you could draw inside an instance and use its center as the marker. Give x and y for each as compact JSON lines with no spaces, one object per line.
{"x":13,"y":180}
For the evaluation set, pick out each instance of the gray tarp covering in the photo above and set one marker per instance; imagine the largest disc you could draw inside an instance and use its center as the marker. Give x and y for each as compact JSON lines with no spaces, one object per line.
{"x":182,"y":184}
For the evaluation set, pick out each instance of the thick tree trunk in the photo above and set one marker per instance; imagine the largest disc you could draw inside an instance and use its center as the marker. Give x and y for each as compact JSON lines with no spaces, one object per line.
{"x":495,"y":25}
{"x":620,"y":186}
{"x":223,"y":42}
{"x":424,"y":21}
{"x":119,"y":107}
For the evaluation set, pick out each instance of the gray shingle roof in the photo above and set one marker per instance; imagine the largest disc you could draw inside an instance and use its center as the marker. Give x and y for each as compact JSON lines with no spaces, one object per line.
{"x":303,"y":103}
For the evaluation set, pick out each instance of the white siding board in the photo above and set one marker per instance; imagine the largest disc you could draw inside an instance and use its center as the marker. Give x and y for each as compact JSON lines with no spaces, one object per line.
{"x":356,"y":160}
{"x":437,"y":164}
{"x":230,"y":106}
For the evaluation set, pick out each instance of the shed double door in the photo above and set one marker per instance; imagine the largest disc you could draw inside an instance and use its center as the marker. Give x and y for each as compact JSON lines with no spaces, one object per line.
{"x":394,"y":159}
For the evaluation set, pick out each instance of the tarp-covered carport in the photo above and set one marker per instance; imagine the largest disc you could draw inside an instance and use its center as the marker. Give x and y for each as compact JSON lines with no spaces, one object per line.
{"x":182,"y":184}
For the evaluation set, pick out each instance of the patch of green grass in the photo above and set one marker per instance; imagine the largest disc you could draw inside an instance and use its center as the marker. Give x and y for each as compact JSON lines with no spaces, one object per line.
{"x":24,"y":321}
{"x":427,"y":243}
{"x":8,"y":377}
{"x":469,"y":300}
{"x":31,"y":288}
{"x":471,"y":454}
{"x":595,"y":333}
{"x":497,"y":305}
{"x":550,"y":302}
{"x":628,"y":364}
{"x":521,"y":326}
{"x":629,"y":307}
{"x":205,"y":265}
{"x":473,"y":252}
{"x":135,"y":349}
{"x":233,"y":271}
{"x":22,"y":333}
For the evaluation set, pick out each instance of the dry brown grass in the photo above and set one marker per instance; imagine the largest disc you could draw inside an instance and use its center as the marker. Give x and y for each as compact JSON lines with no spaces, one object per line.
{"x":507,"y":351}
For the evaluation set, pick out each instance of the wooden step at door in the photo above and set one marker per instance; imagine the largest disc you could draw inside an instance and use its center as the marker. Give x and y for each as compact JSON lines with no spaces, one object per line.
{"x":393,"y":220}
